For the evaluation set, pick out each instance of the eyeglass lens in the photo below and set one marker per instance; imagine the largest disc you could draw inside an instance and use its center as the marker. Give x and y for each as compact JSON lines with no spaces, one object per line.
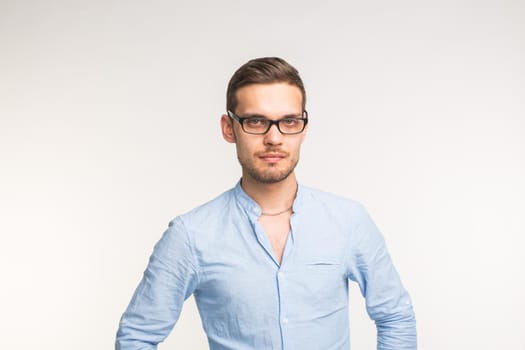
{"x":261,"y":125}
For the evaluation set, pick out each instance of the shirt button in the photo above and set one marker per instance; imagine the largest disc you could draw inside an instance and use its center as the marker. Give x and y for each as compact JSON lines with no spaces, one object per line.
{"x":285,"y":321}
{"x":280,"y":274}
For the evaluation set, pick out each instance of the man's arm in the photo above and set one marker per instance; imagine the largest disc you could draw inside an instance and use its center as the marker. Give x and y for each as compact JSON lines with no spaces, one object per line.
{"x":170,"y":278}
{"x":387,"y":301}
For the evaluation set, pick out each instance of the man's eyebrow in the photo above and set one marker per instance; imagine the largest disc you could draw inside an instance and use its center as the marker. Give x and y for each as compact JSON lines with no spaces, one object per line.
{"x":254,"y":115}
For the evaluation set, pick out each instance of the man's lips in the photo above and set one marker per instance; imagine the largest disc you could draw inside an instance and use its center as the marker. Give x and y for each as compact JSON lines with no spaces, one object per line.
{"x":272,"y":156}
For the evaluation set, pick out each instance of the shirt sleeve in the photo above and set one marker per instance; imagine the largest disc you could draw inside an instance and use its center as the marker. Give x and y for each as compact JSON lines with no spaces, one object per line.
{"x":170,"y":278}
{"x":387,"y":301}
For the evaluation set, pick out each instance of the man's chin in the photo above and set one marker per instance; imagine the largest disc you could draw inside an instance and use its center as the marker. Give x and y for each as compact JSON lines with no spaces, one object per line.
{"x":270,"y":177}
{"x":267,"y":173}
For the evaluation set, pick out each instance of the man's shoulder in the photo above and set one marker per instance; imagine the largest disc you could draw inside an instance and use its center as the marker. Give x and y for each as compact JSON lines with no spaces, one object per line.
{"x":214,"y":206}
{"x":203,"y":222}
{"x":329,"y":199}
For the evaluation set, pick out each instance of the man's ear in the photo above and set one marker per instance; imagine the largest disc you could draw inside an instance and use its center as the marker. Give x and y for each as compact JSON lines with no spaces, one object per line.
{"x":227,"y":129}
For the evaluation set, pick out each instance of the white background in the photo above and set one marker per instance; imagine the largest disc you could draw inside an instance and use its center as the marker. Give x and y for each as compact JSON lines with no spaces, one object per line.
{"x":109,"y":127}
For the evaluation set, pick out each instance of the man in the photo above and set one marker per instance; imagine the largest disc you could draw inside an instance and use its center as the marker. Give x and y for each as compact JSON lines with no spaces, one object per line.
{"x":269,"y":261}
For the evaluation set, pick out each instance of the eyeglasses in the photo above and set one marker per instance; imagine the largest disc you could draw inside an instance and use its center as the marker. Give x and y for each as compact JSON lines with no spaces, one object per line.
{"x":259,"y":125}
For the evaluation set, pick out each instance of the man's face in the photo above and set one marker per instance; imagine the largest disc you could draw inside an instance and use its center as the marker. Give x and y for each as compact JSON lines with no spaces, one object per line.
{"x":271,"y":157}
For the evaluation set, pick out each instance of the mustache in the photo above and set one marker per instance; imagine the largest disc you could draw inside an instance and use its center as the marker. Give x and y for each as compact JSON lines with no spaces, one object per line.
{"x":272,"y":151}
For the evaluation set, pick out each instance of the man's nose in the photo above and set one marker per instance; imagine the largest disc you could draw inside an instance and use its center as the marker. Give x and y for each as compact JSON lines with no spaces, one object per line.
{"x":273,"y":136}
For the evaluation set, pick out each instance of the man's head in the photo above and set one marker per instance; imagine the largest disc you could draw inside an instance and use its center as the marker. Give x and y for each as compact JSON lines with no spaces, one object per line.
{"x":264,"y":70}
{"x":264,"y":91}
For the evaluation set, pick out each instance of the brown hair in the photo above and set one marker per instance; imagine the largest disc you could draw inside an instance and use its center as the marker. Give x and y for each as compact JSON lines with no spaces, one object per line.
{"x":264,"y":70}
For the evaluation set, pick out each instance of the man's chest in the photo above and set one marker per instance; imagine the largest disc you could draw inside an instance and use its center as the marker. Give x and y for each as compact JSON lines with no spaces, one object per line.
{"x":238,"y":269}
{"x":276,"y":230}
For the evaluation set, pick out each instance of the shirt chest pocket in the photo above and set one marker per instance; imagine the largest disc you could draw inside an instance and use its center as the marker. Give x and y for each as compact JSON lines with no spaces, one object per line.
{"x":320,"y":277}
{"x":323,"y":265}
{"x":319,"y":286}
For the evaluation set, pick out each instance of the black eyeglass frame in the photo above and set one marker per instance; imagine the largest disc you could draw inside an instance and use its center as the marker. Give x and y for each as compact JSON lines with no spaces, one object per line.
{"x":271,"y":122}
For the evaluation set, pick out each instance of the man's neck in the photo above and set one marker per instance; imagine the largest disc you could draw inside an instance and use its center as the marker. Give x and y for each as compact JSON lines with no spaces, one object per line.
{"x":274,"y":197}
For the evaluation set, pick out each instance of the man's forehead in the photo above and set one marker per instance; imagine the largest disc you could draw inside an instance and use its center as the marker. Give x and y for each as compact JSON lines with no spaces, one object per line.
{"x":275,"y":98}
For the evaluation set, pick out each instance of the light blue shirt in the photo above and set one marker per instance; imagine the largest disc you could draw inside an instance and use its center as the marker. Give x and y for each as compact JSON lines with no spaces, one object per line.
{"x":247,"y":300}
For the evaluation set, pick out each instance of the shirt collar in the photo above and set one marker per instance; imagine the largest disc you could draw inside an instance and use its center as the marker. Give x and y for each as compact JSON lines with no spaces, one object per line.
{"x":246,"y":202}
{"x":252,"y":207}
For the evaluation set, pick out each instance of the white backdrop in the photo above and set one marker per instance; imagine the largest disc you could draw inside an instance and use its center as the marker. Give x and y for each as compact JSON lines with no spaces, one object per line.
{"x":109,"y":127}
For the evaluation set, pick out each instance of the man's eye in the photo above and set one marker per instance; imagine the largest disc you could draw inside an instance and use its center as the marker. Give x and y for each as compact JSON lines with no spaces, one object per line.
{"x":289,"y":121}
{"x":255,"y":121}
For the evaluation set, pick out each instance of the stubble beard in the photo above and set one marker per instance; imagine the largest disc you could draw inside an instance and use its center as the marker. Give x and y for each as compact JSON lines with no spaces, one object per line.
{"x":270,"y":175}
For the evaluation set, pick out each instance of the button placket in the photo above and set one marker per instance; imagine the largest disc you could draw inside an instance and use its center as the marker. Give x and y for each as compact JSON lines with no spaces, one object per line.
{"x":281,"y":282}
